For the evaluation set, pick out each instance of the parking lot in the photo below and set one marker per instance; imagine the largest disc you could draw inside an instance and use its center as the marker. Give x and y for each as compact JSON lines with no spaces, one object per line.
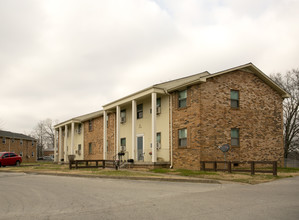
{"x":29,"y":196}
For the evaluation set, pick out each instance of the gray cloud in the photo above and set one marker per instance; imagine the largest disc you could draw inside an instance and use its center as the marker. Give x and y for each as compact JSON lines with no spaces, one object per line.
{"x":60,"y":59}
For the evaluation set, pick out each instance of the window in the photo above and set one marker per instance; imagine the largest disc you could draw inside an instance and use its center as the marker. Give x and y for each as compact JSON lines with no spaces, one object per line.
{"x":183,"y":137}
{"x":234,"y":133}
{"x":21,"y":141}
{"x":90,"y":125}
{"x":234,"y":98}
{"x":123,"y":144}
{"x":158,"y":140}
{"x":79,"y":128}
{"x":107,"y":120}
{"x":158,"y":106}
{"x":32,"y":154}
{"x":90,"y":148}
{"x":183,"y":98}
{"x":158,"y":102}
{"x":32,"y":143}
{"x":123,"y":116}
{"x":21,"y":154}
{"x":3,"y":140}
{"x":12,"y":140}
{"x":139,"y":111}
{"x":79,"y":149}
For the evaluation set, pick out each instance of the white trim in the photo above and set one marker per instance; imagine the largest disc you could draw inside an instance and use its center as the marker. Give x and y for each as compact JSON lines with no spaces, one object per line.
{"x":60,"y":145}
{"x":117,"y":129}
{"x":72,"y":137}
{"x":55,"y":146}
{"x":154,"y":129}
{"x":65,"y":143}
{"x":171,"y":148}
{"x":134,"y":106}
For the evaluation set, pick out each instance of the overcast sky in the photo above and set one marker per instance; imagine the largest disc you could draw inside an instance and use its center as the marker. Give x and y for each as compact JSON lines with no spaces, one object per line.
{"x":60,"y":59}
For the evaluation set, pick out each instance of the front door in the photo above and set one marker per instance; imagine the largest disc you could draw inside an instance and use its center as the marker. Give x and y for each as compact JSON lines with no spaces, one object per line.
{"x":140,"y":148}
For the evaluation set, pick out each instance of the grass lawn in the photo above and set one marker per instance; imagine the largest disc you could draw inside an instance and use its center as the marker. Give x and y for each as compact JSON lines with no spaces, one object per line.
{"x":235,"y":176}
{"x":49,"y":167}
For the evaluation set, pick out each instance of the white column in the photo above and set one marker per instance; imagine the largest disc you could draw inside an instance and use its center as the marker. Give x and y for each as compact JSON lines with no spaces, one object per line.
{"x":154,"y":130}
{"x":65,"y":143}
{"x":133,"y":128}
{"x":55,"y":146}
{"x":72,"y":138}
{"x":117,"y":129}
{"x":104,"y":134}
{"x":60,"y":145}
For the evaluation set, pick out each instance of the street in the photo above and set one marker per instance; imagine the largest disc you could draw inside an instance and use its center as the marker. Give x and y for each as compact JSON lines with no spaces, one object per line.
{"x":28,"y":196}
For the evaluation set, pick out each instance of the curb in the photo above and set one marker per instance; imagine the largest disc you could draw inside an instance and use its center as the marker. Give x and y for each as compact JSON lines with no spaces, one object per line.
{"x":122,"y":177}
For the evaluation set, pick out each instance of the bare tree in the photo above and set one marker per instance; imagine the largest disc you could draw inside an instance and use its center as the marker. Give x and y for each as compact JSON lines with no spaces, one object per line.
{"x":44,"y":133}
{"x":290,"y":83}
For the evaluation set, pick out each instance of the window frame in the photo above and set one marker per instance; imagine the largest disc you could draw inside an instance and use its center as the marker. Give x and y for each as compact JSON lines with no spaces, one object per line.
{"x":139,"y":111}
{"x":158,"y":140}
{"x":123,"y":147}
{"x":182,"y":99}
{"x":90,"y":125}
{"x":3,"y":140}
{"x":181,"y":139}
{"x":158,"y":102}
{"x":233,"y":139}
{"x":79,"y":128}
{"x":234,"y":102}
{"x":90,"y":148}
{"x":79,"y":149}
{"x":123,"y":116}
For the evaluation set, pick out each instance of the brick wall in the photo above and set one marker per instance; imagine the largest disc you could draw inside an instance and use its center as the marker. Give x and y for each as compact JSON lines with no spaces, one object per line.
{"x":14,"y":145}
{"x":209,"y":119}
{"x":111,"y":136}
{"x":95,"y":137}
{"x":187,"y":117}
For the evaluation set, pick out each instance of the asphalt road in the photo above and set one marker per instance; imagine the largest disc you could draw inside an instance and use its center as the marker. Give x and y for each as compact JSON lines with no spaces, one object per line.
{"x":27,"y":196}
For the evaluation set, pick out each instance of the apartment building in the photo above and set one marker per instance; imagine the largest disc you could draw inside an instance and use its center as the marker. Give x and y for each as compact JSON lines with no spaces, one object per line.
{"x":184,"y":121}
{"x":21,"y":144}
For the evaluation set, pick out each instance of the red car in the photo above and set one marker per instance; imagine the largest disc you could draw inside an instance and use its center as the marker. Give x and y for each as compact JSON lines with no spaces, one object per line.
{"x":9,"y":158}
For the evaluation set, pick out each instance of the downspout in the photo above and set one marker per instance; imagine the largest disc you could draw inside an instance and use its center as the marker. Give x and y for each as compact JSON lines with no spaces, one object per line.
{"x":171,"y":150}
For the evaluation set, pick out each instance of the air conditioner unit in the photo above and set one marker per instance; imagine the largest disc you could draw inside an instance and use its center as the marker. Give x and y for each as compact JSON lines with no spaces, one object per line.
{"x":158,"y":110}
{"x":158,"y":146}
{"x":122,"y":120}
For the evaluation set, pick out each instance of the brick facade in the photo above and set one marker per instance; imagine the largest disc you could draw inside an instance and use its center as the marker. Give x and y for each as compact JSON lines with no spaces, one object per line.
{"x":209,"y":118}
{"x":95,"y":137}
{"x":25,"y":149}
{"x":111,"y":151}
